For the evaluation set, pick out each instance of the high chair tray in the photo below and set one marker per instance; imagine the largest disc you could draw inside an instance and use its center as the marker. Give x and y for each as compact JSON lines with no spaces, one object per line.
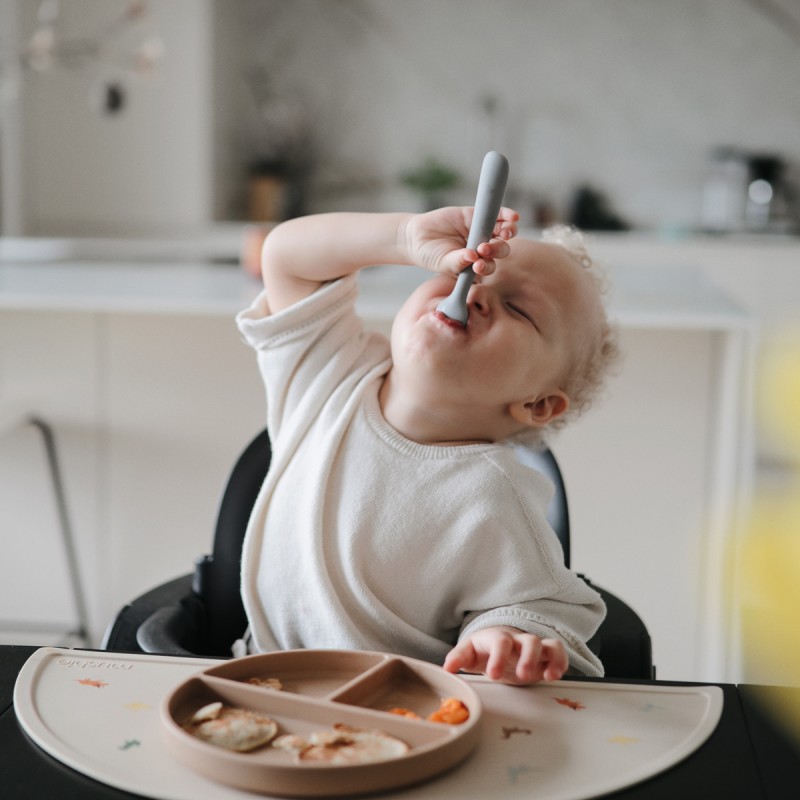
{"x":117,"y":717}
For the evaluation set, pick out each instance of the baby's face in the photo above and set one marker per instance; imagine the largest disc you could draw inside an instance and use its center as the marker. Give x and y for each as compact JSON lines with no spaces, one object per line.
{"x":525,"y":323}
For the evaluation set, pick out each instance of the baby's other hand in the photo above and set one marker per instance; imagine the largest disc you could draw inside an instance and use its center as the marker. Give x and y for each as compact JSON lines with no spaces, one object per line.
{"x":509,"y":655}
{"x":435,"y":240}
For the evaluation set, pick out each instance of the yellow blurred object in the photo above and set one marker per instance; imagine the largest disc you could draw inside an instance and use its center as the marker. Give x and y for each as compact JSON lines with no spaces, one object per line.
{"x":769,"y":555}
{"x":770,"y":572}
{"x":779,"y":398}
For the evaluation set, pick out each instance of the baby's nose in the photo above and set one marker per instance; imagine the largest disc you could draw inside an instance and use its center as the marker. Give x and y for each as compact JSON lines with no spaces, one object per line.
{"x":477,"y":299}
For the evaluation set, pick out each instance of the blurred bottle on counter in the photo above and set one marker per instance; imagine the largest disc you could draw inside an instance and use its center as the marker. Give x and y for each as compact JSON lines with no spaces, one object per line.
{"x":725,"y":191}
{"x":591,"y":210}
{"x":748,"y":192}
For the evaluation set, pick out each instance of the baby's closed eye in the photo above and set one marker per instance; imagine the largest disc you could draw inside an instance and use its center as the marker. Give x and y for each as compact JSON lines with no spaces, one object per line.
{"x":519,"y":311}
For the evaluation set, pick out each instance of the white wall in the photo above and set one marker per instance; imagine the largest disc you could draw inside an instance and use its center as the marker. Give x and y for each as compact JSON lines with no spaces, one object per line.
{"x":145,"y":170}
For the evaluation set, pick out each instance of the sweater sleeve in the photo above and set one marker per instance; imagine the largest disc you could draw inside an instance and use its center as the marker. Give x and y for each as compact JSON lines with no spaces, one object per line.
{"x":305,"y":351}
{"x":540,"y":595}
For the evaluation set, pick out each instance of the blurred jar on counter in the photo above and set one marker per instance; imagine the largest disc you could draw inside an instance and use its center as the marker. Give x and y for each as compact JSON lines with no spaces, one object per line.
{"x":725,"y":191}
{"x":769,"y":205}
{"x":748,"y":192}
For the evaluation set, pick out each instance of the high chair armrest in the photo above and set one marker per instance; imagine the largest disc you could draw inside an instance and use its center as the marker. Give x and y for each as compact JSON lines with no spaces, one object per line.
{"x":121,"y":635}
{"x":622,"y":642}
{"x":171,"y":630}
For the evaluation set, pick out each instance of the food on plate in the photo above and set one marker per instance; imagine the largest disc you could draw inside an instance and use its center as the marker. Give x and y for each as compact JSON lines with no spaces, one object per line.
{"x":344,"y":745}
{"x":290,"y":742}
{"x":405,"y":712}
{"x":266,"y":683}
{"x":232,"y":728}
{"x":211,"y":711}
{"x":451,"y":711}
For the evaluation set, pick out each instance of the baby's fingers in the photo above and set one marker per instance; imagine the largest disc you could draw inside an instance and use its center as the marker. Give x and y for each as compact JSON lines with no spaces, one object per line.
{"x":507,"y":223}
{"x":457,"y":261}
{"x":528,"y":664}
{"x":489,"y":252}
{"x":500,"y":654}
{"x":462,"y":657}
{"x":554,"y":658}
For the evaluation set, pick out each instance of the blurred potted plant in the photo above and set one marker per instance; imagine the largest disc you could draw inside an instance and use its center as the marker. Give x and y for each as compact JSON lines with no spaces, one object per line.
{"x":431,"y":180}
{"x":283,"y":153}
{"x":281,"y":158}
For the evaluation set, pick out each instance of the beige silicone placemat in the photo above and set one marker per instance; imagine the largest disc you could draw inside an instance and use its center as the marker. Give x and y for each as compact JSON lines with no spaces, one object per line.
{"x":98,"y":713}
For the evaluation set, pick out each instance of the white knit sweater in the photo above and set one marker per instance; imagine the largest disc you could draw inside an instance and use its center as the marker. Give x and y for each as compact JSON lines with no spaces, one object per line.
{"x":363,"y":539}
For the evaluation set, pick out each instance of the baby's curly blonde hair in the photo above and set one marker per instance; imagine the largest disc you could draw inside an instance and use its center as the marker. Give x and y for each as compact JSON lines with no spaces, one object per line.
{"x":596,"y":355}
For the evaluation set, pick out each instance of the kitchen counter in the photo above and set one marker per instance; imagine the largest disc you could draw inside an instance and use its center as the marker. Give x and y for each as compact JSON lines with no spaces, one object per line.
{"x":678,"y":298}
{"x":126,"y":287}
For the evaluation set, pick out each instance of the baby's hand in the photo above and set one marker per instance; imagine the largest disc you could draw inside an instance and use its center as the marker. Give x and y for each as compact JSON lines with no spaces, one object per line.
{"x":435,"y":240}
{"x":509,"y":655}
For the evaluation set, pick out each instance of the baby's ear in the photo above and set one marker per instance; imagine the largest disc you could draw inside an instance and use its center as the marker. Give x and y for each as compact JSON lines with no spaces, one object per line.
{"x":539,"y":411}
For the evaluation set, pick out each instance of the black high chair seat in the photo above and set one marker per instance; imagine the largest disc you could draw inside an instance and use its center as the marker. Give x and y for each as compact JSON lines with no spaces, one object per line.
{"x":202,"y":613}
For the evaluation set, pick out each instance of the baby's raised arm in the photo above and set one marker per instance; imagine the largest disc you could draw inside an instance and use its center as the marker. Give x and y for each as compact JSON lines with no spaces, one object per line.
{"x":303,"y":253}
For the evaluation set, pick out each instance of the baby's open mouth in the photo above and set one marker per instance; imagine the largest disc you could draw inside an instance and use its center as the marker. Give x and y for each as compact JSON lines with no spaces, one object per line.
{"x":453,"y":323}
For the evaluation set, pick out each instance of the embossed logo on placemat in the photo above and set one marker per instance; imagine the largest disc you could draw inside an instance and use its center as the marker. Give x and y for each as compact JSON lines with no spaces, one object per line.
{"x":92,"y":663}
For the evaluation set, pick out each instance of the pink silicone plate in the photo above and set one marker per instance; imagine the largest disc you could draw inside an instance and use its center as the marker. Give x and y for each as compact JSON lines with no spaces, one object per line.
{"x":322,"y":688}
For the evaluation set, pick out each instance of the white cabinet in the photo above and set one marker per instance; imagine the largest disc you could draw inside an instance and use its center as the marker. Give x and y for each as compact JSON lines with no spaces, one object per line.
{"x":47,"y":368}
{"x":658,"y":476}
{"x":182,"y":400}
{"x":149,"y":410}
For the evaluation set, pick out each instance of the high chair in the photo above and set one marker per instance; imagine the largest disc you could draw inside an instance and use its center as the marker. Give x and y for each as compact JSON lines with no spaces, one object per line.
{"x":202,"y":613}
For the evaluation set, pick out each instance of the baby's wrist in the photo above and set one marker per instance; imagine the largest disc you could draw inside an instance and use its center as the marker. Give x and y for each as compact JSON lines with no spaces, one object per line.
{"x":404,"y":238}
{"x":507,"y":629}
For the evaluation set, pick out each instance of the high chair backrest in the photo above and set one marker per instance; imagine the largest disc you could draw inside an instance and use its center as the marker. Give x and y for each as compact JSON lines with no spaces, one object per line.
{"x":558,"y":511}
{"x":216,"y":577}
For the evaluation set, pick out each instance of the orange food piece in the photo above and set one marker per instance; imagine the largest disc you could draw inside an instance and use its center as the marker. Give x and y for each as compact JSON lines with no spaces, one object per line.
{"x":573,"y":704}
{"x":452,"y":712}
{"x":405,"y":712}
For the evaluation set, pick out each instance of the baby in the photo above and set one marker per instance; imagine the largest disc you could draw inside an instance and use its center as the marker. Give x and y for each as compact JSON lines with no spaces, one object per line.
{"x":395,"y":515}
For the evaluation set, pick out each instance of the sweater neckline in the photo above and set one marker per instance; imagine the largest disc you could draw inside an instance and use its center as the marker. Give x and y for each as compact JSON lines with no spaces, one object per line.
{"x":409,"y":447}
